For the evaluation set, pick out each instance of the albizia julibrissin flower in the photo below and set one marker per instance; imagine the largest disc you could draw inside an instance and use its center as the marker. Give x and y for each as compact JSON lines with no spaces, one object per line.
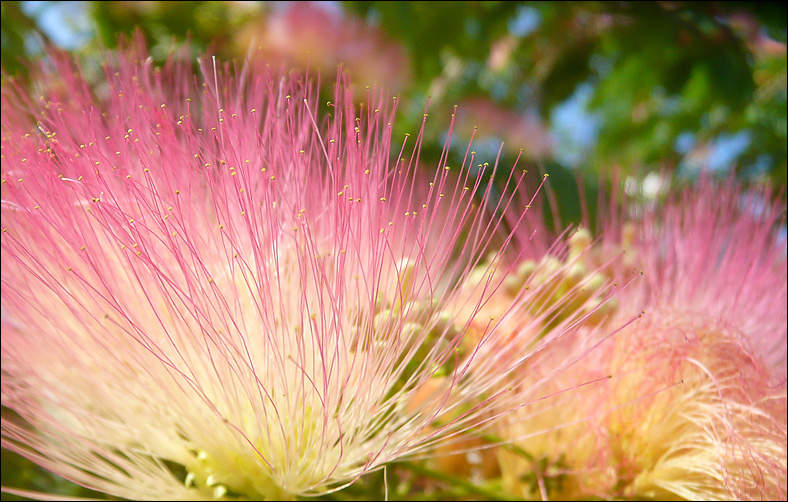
{"x":695,"y":407}
{"x":219,"y":287}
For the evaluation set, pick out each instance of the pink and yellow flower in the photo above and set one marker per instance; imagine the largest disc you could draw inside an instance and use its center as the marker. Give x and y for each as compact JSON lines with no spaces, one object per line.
{"x":695,"y":407}
{"x":222,"y":287}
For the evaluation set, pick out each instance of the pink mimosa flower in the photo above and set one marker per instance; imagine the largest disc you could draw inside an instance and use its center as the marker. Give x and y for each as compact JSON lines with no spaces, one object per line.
{"x":707,"y":364}
{"x":696,"y":404}
{"x":223,"y":287}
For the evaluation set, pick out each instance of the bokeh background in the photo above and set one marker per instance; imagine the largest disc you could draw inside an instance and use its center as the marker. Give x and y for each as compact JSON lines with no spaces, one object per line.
{"x":649,"y":94}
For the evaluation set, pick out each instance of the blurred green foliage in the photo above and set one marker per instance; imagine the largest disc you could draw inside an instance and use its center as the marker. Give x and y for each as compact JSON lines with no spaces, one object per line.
{"x":207,"y":26}
{"x":657,"y":69}
{"x":16,"y":27}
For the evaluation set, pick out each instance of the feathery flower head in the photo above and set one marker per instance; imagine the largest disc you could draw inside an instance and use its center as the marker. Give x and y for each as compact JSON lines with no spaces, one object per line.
{"x":220,"y":287}
{"x":708,"y":362}
{"x":696,"y":405}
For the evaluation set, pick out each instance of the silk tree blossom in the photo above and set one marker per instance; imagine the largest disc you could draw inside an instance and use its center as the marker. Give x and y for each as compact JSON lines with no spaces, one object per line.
{"x":221,"y":287}
{"x":555,"y":302}
{"x":695,"y":407}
